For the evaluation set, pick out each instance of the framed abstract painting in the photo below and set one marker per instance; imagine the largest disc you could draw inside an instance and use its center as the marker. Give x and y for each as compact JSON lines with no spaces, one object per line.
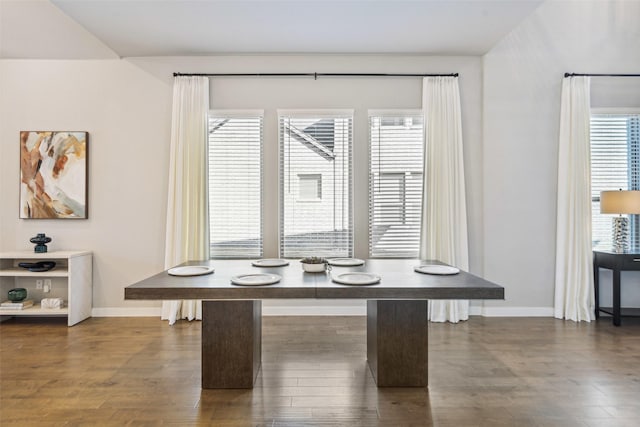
{"x":53,"y":175}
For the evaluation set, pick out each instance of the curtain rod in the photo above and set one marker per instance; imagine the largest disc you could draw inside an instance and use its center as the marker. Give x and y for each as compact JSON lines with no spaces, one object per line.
{"x":314,"y":75}
{"x":600,"y":75}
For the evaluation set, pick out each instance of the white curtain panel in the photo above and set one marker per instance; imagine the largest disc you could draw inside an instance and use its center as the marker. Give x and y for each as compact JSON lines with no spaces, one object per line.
{"x":187,"y":205}
{"x":574,"y":295}
{"x":443,"y":233}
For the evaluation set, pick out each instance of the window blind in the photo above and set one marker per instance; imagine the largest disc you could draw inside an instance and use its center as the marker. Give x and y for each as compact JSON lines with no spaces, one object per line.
{"x":633,"y":143}
{"x":615,"y":164}
{"x":235,"y":184}
{"x":395,"y":183}
{"x":315,"y":183}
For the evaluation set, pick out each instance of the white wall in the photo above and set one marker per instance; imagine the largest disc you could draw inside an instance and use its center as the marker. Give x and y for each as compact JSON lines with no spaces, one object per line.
{"x":126,"y":113}
{"x":521,"y":108}
{"x":125,"y":105}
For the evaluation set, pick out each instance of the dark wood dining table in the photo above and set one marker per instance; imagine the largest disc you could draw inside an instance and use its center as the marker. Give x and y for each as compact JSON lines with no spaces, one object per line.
{"x":397,"y":313}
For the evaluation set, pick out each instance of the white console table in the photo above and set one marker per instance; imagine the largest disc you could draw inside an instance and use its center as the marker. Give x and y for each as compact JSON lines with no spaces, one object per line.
{"x":71,"y":280}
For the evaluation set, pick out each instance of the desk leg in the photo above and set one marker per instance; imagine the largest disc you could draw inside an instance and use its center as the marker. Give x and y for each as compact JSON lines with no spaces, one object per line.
{"x":397,"y":342}
{"x":231,"y":343}
{"x":616,"y":297}
{"x":596,"y":289}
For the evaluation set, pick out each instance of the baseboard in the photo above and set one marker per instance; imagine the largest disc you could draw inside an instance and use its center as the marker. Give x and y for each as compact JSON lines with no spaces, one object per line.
{"x":126,"y":312}
{"x":266,"y":311}
{"x":319,"y":310}
{"x":511,"y":311}
{"x":329,"y":311}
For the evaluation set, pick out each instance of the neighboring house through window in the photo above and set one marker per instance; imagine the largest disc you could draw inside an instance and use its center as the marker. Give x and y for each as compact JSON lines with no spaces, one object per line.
{"x":316,"y":216}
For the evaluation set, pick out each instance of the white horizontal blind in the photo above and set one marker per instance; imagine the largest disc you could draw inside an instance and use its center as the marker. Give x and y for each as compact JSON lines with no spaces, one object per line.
{"x":615,"y":164}
{"x":633,"y":135}
{"x":235,"y":184}
{"x":315,"y":184}
{"x":395,"y":183}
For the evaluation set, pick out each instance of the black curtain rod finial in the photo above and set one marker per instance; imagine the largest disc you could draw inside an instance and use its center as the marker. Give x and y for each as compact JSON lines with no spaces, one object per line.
{"x":599,"y":75}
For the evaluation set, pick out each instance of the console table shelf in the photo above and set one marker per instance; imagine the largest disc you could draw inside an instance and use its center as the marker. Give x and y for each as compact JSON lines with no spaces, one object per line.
{"x":36,"y":310}
{"x":71,"y":280}
{"x":21,"y":272}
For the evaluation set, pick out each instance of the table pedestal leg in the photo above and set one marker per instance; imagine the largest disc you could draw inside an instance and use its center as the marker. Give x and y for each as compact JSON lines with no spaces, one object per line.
{"x":231,"y":343}
{"x":397,"y":342}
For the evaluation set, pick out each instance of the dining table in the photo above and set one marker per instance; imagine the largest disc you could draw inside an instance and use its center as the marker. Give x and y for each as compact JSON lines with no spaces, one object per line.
{"x":397,"y":292}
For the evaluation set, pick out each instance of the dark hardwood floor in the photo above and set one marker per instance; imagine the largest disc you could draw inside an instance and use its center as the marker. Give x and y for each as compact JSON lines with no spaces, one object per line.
{"x":484,"y":372}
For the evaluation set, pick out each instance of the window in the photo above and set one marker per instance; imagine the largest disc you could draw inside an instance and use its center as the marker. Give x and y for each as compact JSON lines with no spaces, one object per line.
{"x":395,"y":183}
{"x":315,"y":183}
{"x":310,"y":186}
{"x":615,"y":164}
{"x":235,"y":184}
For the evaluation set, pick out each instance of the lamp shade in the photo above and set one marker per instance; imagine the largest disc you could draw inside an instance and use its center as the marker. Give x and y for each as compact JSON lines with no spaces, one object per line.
{"x":620,"y":202}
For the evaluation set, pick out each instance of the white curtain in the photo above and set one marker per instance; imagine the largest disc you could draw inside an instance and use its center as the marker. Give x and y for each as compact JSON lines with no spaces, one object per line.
{"x":187,"y":235}
{"x":574,"y":296}
{"x":443,"y":233}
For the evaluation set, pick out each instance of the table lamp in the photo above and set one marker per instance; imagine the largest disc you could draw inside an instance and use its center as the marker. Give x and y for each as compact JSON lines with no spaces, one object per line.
{"x":620,"y":202}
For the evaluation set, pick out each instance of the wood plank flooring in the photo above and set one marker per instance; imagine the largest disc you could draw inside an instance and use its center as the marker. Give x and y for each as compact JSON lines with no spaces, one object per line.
{"x":484,"y":372}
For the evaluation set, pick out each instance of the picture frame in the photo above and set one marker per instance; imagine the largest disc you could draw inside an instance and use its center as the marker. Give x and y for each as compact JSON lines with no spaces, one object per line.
{"x":53,"y":174}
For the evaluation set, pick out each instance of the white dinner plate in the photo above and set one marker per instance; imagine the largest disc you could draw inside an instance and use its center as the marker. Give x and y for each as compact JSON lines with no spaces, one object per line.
{"x":355,"y":278}
{"x":345,"y":262}
{"x":255,"y":279}
{"x":441,"y":270}
{"x":270,"y":262}
{"x":191,"y":270}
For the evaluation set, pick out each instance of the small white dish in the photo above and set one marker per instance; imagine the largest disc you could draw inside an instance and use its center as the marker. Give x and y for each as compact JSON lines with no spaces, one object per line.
{"x":314,"y":268}
{"x":255,"y":279}
{"x":345,"y":262}
{"x":440,"y":270}
{"x":270,"y":262}
{"x":191,"y":270}
{"x":354,"y":278}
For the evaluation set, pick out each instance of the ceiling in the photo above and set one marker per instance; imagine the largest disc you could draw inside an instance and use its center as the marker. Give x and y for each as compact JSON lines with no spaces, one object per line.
{"x":85,"y":29}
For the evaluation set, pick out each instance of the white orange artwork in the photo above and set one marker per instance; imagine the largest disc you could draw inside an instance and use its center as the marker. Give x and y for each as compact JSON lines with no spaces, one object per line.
{"x":53,"y":175}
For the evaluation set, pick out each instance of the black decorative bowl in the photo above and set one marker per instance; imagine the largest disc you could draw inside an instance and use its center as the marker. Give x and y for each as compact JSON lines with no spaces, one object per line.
{"x":17,"y":294}
{"x":38,"y":266}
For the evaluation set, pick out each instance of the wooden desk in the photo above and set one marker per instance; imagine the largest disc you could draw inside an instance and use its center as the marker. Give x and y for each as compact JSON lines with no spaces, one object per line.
{"x":397,"y":328}
{"x":616,"y":262}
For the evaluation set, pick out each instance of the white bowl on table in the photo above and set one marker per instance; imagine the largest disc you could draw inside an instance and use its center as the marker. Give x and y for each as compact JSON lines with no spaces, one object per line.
{"x":314,"y":268}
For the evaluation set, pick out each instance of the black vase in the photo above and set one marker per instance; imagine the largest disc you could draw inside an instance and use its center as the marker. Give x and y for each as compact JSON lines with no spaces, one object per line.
{"x":40,"y":241}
